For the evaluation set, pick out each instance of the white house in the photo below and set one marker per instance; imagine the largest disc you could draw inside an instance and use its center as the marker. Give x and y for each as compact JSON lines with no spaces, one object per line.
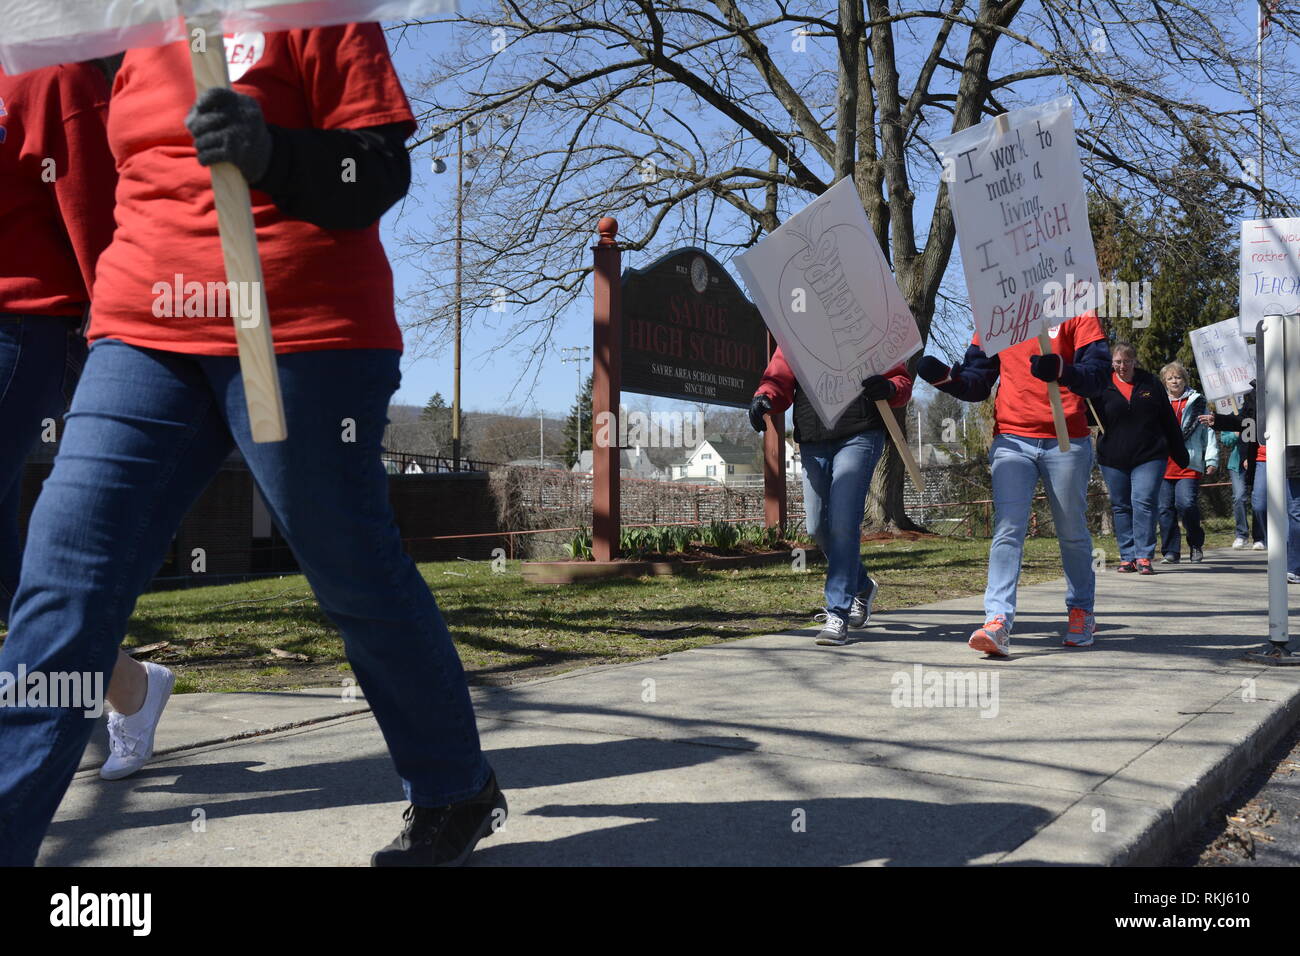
{"x":633,"y":463}
{"x":719,"y":460}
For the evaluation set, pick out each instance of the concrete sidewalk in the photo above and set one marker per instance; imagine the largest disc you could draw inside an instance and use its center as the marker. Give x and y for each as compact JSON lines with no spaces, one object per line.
{"x":769,"y":751}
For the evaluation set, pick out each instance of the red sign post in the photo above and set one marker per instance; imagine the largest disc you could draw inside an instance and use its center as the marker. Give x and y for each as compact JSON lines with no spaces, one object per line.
{"x":606,"y":384}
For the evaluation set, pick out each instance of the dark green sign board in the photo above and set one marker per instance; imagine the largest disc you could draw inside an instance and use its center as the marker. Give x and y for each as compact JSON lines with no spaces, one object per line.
{"x":690,"y":333}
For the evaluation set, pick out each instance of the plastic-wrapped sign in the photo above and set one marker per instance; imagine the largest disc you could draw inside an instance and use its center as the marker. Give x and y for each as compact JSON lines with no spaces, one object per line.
{"x":36,"y":33}
{"x":828,"y":296}
{"x":1022,"y":222}
{"x":1223,"y":358}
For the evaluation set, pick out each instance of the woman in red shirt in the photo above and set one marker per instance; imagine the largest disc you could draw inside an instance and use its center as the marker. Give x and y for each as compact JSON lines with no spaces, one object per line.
{"x":316,"y":123}
{"x":1181,"y":485}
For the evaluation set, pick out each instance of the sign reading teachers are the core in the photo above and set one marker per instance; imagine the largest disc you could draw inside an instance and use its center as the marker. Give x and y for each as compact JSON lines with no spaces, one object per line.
{"x":689,"y":332}
{"x":1022,"y":222}
{"x":828,"y":296}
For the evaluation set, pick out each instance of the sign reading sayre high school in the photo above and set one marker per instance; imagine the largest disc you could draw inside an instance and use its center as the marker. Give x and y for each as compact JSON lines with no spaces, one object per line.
{"x":689,"y":333}
{"x":1022,"y":222}
{"x":1270,"y":270}
{"x":830,"y":299}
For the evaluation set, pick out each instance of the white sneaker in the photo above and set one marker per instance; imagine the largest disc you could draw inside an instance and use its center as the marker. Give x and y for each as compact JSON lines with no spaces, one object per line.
{"x":1259,"y":546}
{"x":131,"y":738}
{"x":834,"y":631}
{"x":860,"y":611}
{"x":1238,"y":543}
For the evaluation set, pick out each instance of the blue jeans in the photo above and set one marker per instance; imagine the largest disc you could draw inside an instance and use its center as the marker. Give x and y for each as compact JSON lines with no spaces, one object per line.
{"x":836,"y":478}
{"x":1179,"y":503}
{"x":1017,"y":464}
{"x":1241,"y":509}
{"x":40,"y":359}
{"x":1259,"y":503}
{"x":146,"y":432}
{"x":1133,"y":502}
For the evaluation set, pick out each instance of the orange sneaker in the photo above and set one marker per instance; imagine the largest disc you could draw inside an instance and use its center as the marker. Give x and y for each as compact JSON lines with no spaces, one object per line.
{"x":1144,"y":566}
{"x":993,"y":638}
{"x":1079,"y":632}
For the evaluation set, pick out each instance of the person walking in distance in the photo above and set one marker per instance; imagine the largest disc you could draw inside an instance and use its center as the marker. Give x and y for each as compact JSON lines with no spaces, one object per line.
{"x":1180,"y":489}
{"x":1139,"y":436}
{"x":838,"y":463}
{"x":1025,"y":450}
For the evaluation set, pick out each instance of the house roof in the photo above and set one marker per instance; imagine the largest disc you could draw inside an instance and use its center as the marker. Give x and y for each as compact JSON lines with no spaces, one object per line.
{"x":730,"y":451}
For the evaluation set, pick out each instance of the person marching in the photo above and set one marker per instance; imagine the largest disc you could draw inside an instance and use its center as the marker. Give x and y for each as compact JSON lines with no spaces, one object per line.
{"x":1252,"y":419}
{"x":1140,"y":434}
{"x":57,"y":181}
{"x":1025,"y":449}
{"x":56,"y":217}
{"x":1179,"y":491}
{"x":838,"y":463}
{"x":1240,"y":467}
{"x":161,"y":404}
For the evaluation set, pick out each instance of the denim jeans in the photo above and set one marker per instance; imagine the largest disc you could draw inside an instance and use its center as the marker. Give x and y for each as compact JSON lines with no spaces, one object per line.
{"x":836,"y":478}
{"x":146,"y":432}
{"x":1259,"y":503}
{"x":1017,"y":464}
{"x":1179,"y":503}
{"x":40,"y":359}
{"x":1241,"y":509}
{"x":1133,"y":502}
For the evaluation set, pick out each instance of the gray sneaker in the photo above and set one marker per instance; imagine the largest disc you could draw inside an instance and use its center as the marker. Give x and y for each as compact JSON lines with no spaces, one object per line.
{"x":860,"y":612}
{"x":834,"y":631}
{"x":1197,"y":555}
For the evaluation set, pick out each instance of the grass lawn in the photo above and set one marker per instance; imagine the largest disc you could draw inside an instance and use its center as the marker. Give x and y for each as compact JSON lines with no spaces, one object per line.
{"x":254,"y":636}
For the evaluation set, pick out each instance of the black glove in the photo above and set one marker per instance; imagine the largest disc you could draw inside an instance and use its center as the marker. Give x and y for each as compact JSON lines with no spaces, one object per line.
{"x":1050,"y":368}
{"x":944,"y":378}
{"x":878,"y":388}
{"x":228,"y":127}
{"x":759,"y":407}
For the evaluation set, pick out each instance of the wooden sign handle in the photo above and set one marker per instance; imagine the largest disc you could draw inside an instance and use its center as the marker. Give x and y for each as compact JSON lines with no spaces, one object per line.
{"x":243,"y":266}
{"x":891,"y":424}
{"x":1054,"y":395}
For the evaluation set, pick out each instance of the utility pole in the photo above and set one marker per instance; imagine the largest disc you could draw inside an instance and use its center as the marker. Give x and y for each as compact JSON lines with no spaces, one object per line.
{"x":577,"y":357}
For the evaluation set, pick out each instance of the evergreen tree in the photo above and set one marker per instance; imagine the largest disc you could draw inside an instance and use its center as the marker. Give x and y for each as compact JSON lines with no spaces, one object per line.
{"x":578,"y":424}
{"x":436,"y":420}
{"x":1186,"y":251}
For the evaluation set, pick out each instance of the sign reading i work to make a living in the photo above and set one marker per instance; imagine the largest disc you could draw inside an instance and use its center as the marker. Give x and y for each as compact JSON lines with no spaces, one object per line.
{"x":689,"y":332}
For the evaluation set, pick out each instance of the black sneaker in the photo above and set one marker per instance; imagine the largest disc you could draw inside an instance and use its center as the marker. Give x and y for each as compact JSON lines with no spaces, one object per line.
{"x":1196,"y":555}
{"x":445,"y":836}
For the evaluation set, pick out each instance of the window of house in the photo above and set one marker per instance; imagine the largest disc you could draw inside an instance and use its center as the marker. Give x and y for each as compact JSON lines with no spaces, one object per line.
{"x":731,"y":469}
{"x":710,"y":471}
{"x":706,"y":456}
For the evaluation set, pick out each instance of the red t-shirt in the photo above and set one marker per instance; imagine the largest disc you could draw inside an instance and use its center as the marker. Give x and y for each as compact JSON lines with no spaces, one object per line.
{"x":1125,"y":388}
{"x":1172,"y":469}
{"x":56,"y":187}
{"x":325,"y":288}
{"x":1022,"y":407}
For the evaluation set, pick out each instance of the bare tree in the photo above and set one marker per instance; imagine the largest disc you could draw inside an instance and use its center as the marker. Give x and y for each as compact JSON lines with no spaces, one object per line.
{"x":710,"y":121}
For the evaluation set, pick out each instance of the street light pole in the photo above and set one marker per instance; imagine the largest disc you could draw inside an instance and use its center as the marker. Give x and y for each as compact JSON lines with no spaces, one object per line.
{"x":578,"y":358}
{"x":460,"y":216}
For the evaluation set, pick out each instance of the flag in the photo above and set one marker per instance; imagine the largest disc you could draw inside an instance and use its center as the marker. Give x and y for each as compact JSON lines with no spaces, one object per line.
{"x":1266,"y":9}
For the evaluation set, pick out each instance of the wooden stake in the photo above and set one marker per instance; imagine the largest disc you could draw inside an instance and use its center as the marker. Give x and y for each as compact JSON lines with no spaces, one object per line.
{"x":896,"y":433}
{"x":243,"y":266}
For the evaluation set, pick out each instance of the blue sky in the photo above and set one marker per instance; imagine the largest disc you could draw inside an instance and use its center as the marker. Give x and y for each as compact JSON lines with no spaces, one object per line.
{"x":490,"y":378}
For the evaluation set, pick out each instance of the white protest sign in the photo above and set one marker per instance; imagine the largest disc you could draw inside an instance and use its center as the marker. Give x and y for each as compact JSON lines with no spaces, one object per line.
{"x":1270,"y":270}
{"x":1022,"y":222}
{"x":1225,"y":361}
{"x":826,"y":293}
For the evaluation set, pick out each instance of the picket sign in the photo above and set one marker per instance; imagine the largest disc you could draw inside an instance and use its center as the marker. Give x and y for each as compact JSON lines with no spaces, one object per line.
{"x":1270,"y":270}
{"x":1016,"y":190}
{"x":1225,"y":362}
{"x":829,"y":298}
{"x":38,"y":33}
